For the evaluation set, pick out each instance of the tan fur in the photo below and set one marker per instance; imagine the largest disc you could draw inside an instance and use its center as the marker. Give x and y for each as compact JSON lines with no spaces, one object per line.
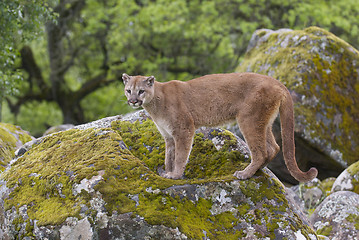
{"x":178,"y":108}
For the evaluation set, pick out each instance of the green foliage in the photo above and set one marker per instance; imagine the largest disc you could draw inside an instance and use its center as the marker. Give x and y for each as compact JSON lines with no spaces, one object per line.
{"x":34,"y":116}
{"x":339,"y":18}
{"x":176,"y":39}
{"x":21,"y":21}
{"x":105,"y":102}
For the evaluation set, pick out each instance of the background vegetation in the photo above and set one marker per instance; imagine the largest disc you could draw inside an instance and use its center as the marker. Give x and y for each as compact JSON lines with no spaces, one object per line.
{"x":64,"y":58}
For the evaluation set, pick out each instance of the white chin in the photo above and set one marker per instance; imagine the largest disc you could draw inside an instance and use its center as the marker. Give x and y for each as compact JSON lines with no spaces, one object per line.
{"x":135,"y":106}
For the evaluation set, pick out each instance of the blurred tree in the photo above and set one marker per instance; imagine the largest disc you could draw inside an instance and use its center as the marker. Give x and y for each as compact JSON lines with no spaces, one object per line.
{"x":20,"y":21}
{"x":338,"y":17}
{"x":94,"y":41}
{"x":63,"y":50}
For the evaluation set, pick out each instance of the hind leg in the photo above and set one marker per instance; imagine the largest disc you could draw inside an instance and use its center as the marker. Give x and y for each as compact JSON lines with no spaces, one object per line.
{"x":272,"y":146}
{"x":255,"y":136}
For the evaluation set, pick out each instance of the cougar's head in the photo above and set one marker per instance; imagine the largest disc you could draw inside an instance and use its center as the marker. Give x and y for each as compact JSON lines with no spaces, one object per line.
{"x":139,"y":90}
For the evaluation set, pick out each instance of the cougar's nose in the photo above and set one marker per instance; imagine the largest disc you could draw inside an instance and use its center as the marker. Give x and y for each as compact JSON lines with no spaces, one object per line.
{"x":133,"y":101}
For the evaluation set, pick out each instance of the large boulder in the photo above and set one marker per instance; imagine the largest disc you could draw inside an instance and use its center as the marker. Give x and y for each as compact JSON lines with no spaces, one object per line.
{"x":102,"y":183}
{"x":11,"y":138}
{"x":348,"y":180}
{"x":337,"y":217}
{"x":321,"y":71}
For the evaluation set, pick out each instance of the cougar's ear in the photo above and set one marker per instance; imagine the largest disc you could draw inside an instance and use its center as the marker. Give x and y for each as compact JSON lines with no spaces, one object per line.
{"x":125,"y":78}
{"x":150,"y":81}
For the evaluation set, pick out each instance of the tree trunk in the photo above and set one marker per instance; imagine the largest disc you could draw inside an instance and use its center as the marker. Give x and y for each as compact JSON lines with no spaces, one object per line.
{"x":61,"y":94}
{"x":61,"y":59}
{"x":71,"y":109}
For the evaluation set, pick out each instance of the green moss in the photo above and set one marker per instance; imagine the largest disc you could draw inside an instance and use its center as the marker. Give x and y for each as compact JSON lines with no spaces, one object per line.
{"x":271,"y":189}
{"x":353,"y":218}
{"x":159,"y":209}
{"x":144,"y":141}
{"x":244,"y":209}
{"x":326,"y":231}
{"x":23,"y":136}
{"x":328,"y":184}
{"x":353,"y":170}
{"x":7,"y":148}
{"x":205,"y":161}
{"x":6,"y":154}
{"x":42,"y":174}
{"x":10,"y":137}
{"x":320,"y":68}
{"x":54,"y":210}
{"x":321,"y":237}
{"x":29,"y":229}
{"x":17,"y":223}
{"x":67,"y":158}
{"x":193,"y":218}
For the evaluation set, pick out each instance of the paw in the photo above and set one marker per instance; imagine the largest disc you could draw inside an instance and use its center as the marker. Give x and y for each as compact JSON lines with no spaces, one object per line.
{"x":170,"y":175}
{"x":242,"y":175}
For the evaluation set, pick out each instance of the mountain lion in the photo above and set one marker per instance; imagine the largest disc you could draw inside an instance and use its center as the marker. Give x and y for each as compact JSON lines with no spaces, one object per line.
{"x":179,"y":108}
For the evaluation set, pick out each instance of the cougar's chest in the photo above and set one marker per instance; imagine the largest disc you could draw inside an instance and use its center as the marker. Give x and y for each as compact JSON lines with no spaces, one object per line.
{"x":164,"y":126}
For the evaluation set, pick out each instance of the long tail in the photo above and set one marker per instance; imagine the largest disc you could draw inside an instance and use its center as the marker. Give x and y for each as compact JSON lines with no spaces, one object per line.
{"x":287,"y":126}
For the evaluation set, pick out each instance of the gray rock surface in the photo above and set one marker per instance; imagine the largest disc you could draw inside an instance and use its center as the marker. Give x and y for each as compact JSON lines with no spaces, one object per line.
{"x":337,"y":216}
{"x":348,"y":180}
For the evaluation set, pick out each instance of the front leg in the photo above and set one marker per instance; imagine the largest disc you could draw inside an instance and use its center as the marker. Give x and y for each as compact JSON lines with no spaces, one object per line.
{"x":183,"y":146}
{"x":170,"y":154}
{"x":170,"y":148}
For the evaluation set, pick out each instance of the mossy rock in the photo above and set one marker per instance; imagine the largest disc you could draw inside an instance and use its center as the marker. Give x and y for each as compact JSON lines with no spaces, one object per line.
{"x":348,"y":180}
{"x":337,"y":217}
{"x":321,"y":71}
{"x":328,"y":184}
{"x":11,"y":137}
{"x":103,"y":182}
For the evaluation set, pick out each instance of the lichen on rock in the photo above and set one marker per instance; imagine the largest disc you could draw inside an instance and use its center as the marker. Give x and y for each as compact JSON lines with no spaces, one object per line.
{"x":106,"y":180}
{"x":337,"y":217}
{"x":348,"y":180}
{"x":321,"y":71}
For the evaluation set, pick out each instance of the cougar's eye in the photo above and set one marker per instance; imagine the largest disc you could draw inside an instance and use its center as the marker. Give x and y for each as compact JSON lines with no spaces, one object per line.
{"x":128,"y":91}
{"x":141,"y":92}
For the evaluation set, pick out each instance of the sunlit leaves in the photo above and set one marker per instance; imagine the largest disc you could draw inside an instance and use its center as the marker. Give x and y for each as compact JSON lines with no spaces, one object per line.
{"x":171,"y":39}
{"x":20,"y":21}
